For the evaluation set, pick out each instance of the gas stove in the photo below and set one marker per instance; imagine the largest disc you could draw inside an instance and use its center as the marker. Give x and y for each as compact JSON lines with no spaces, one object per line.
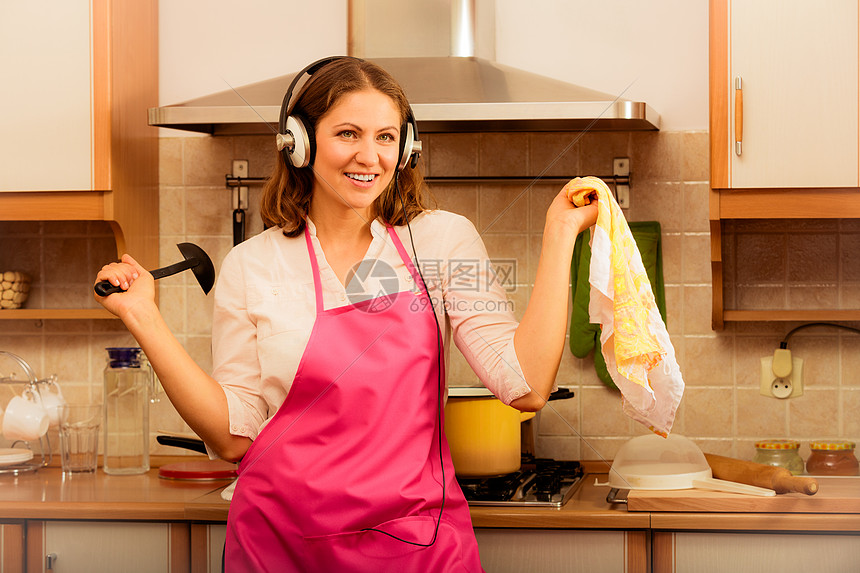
{"x":539,"y":482}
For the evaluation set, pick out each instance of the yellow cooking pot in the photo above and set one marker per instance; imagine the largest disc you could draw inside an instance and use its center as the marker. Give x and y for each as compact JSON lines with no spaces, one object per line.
{"x":483,"y":433}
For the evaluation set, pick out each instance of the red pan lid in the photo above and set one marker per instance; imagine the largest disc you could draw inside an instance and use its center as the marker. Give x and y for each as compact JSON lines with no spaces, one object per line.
{"x":207,"y":470}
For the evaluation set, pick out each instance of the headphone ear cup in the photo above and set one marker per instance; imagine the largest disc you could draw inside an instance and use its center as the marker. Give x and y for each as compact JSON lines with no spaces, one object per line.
{"x":304,"y":144}
{"x":406,"y":139}
{"x":410,"y":147}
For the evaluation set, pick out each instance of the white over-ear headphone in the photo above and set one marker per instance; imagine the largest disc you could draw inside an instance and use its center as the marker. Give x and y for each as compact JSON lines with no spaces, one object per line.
{"x":296,"y":140}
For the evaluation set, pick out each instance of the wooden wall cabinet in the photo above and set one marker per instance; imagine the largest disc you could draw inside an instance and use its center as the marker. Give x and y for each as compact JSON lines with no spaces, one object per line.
{"x":76,"y":144}
{"x":784,"y":126}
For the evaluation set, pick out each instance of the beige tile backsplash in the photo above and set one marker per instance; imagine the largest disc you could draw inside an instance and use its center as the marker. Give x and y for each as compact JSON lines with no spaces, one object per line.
{"x":778,"y":264}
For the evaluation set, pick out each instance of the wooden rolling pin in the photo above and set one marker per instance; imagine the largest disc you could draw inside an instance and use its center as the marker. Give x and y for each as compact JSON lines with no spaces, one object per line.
{"x":776,"y":478}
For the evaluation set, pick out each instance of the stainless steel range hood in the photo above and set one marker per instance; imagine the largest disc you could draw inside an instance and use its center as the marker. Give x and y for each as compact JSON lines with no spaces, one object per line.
{"x":457,"y":91}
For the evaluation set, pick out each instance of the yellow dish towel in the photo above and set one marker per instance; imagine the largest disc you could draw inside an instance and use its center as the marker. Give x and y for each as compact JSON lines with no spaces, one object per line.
{"x":639,"y":354}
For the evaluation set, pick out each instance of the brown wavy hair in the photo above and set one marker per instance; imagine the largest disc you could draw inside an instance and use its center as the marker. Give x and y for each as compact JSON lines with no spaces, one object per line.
{"x":287,"y":193}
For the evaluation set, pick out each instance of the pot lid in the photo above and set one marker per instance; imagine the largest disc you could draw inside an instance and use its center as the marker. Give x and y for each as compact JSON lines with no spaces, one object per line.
{"x":480,"y":391}
{"x":464,"y":392}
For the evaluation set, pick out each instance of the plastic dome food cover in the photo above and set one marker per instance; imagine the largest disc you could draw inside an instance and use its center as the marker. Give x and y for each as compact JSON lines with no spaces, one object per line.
{"x":651,"y":462}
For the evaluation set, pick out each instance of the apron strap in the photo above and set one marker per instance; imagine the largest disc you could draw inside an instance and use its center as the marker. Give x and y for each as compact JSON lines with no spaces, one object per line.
{"x":316,"y":271}
{"x":404,"y":256}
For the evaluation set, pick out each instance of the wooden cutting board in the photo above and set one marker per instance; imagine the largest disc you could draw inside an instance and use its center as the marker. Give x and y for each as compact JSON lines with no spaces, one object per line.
{"x":835,"y":495}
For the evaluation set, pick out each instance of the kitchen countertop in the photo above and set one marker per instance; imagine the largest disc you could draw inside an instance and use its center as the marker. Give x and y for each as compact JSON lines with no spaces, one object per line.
{"x":48,"y":494}
{"x":587,"y":509}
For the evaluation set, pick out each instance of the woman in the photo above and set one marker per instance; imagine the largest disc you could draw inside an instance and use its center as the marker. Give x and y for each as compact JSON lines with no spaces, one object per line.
{"x":328,"y":343}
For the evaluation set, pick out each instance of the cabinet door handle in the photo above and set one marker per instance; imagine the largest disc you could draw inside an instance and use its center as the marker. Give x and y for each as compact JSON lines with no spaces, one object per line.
{"x":739,"y":115}
{"x":49,"y":562}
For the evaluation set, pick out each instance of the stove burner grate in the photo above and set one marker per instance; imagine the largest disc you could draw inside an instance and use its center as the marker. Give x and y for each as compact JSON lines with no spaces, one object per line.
{"x":539,"y":482}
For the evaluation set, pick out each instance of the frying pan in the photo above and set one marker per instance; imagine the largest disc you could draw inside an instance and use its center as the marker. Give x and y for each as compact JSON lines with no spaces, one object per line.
{"x":203,"y":470}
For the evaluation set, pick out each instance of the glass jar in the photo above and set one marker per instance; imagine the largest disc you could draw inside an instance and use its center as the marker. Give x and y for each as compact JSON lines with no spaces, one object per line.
{"x":128,"y":382}
{"x":780,"y":453}
{"x":832,"y":459}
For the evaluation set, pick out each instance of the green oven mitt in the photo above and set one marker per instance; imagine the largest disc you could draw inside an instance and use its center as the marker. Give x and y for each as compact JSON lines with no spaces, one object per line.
{"x":585,"y":335}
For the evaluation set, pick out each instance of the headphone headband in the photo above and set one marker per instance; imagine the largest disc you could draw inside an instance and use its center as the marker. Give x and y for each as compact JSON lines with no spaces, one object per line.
{"x":296,"y":140}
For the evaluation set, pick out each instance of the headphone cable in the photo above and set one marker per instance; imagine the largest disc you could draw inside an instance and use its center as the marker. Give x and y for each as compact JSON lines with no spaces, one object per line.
{"x":439,"y":365}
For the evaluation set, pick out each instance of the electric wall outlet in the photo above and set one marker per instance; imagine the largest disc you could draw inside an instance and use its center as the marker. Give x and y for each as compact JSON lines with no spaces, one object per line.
{"x":776,"y":387}
{"x":621,"y":167}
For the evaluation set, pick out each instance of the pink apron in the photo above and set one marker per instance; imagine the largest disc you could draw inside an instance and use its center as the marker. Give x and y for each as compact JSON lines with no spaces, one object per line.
{"x":351,"y":460}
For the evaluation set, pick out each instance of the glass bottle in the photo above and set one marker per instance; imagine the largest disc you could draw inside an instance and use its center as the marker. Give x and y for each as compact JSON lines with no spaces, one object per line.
{"x":780,"y":453}
{"x":832,"y":459}
{"x":128,"y":380}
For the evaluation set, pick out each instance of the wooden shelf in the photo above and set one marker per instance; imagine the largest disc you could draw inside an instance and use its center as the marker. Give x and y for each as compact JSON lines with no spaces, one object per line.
{"x":770,"y":204}
{"x":52,"y":205}
{"x":821,"y":203}
{"x":55,"y":314}
{"x":791,"y":315}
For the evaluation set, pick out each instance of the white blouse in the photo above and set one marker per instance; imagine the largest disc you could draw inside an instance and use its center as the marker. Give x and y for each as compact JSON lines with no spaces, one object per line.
{"x":265,"y":308}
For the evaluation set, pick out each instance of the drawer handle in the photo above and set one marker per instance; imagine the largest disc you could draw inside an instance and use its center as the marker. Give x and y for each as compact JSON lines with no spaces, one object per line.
{"x":739,"y":115}
{"x":49,"y":562}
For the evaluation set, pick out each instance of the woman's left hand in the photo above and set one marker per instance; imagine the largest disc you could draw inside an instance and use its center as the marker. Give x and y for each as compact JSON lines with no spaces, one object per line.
{"x":564,"y":216}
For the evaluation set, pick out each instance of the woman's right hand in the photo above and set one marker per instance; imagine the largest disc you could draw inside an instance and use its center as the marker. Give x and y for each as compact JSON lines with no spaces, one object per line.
{"x":137,"y":284}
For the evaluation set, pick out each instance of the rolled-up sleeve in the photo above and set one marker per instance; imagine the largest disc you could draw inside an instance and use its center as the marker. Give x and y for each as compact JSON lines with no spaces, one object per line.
{"x":234,"y":349}
{"x":480,"y":313}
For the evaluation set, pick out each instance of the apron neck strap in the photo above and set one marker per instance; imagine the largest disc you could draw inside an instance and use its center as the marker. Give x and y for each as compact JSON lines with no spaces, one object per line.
{"x":404,"y":256}
{"x":316,"y":270}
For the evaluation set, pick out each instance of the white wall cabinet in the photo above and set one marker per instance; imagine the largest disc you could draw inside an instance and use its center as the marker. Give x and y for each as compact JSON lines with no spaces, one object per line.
{"x":75,"y":142}
{"x":47,"y":128}
{"x":785,"y":140}
{"x":798,"y":66}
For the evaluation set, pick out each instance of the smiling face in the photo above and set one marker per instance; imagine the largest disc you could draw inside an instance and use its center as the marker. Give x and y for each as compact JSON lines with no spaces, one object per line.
{"x":356,"y":155}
